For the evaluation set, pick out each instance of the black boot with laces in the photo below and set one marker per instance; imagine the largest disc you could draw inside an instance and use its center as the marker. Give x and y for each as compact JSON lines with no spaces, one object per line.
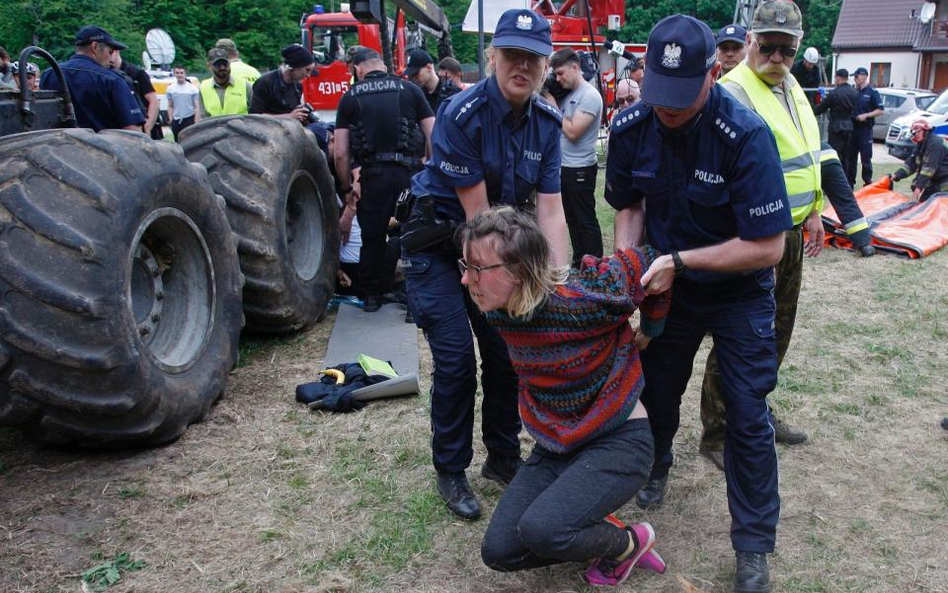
{"x":752,"y":575}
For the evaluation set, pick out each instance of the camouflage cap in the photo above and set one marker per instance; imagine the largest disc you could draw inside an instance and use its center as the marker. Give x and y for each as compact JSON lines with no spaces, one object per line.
{"x":227,"y":44}
{"x":217,"y":54}
{"x":778,"y":16}
{"x":352,"y":51}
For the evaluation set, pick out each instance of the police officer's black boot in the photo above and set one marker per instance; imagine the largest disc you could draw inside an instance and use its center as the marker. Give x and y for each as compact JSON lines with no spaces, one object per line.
{"x":652,"y":495}
{"x":944,"y":422}
{"x":752,"y":574}
{"x":500,"y":469}
{"x":456,"y":492}
{"x":371,"y":304}
{"x":867,"y":250}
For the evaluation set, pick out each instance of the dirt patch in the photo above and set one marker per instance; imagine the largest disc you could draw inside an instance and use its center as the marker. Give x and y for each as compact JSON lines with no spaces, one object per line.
{"x":266,"y":496}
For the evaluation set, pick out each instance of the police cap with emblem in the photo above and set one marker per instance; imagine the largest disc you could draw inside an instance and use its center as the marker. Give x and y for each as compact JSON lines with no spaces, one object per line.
{"x":87,"y":35}
{"x":520,"y":28}
{"x":778,"y":16}
{"x":733,"y":32}
{"x":681,"y":51}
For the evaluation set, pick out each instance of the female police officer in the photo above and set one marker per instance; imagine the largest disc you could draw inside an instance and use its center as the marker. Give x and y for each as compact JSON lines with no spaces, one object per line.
{"x":494,"y":143}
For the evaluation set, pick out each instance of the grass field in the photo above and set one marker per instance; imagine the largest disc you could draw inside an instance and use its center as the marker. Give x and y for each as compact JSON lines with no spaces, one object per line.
{"x":267,"y":497}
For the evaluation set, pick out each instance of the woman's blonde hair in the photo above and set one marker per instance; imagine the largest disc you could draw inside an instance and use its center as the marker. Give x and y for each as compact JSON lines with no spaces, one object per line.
{"x":520,"y":244}
{"x":489,"y":52}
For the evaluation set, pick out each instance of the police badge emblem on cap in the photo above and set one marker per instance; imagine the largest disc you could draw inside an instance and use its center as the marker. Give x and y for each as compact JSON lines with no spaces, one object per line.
{"x":672,"y":56}
{"x":730,"y":30}
{"x":781,"y":17}
{"x":524,"y":22}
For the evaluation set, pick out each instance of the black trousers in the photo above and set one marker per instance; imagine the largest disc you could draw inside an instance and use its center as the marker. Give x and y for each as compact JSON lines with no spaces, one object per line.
{"x":862,"y":147}
{"x":179,"y":124}
{"x":578,"y":187}
{"x":381,"y":184}
{"x":553,"y":510}
{"x":842,"y":143}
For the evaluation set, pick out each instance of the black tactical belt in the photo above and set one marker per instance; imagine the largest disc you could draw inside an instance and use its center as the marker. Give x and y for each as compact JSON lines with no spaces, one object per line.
{"x":392,"y":157}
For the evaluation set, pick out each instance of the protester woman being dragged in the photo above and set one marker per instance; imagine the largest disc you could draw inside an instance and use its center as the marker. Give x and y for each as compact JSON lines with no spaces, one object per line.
{"x":577,"y":358}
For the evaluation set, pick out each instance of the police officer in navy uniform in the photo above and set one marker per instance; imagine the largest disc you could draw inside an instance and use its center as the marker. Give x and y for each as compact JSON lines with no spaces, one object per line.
{"x":868,"y":107}
{"x":384,"y":122}
{"x":701,"y":174}
{"x":494,"y":143}
{"x":100,"y":96}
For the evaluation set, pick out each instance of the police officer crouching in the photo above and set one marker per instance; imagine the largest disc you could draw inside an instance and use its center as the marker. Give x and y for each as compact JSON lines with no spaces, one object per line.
{"x":702,"y":174}
{"x":384,"y":123}
{"x":495,"y":143}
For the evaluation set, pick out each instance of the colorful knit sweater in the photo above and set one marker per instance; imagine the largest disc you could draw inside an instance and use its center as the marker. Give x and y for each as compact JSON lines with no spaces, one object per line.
{"x":579,"y":369}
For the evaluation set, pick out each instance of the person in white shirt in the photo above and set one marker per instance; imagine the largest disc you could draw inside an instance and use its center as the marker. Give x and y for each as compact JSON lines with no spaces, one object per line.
{"x":183,"y":100}
{"x":582,"y":110}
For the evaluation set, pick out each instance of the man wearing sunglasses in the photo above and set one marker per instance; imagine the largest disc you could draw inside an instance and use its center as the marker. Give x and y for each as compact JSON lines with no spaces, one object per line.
{"x":627,"y":93}
{"x":100,"y":96}
{"x":763,"y":83}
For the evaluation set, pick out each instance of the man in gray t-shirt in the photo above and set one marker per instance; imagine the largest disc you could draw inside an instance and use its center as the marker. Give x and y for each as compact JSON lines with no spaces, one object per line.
{"x":582,"y":112}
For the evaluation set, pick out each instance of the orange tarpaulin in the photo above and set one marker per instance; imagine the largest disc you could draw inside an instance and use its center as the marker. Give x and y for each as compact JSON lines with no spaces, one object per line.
{"x":897,"y":223}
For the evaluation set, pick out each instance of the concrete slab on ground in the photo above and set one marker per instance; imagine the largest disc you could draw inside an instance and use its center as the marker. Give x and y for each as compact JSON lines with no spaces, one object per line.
{"x":382,"y":334}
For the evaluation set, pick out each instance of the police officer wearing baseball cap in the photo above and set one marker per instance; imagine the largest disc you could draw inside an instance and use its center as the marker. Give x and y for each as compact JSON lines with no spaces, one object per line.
{"x":700,"y":173}
{"x":730,"y":46}
{"x":100,"y":95}
{"x":868,"y":107}
{"x":421,"y":71}
{"x":494,"y":143}
{"x":384,"y":124}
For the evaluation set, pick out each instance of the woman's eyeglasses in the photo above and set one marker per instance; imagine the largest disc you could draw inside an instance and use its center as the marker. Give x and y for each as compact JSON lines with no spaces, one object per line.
{"x":624,"y":101}
{"x":475,"y":271}
{"x":767,"y":49}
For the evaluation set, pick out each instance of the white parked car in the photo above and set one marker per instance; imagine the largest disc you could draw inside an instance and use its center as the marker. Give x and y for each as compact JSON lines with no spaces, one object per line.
{"x":898,"y":139}
{"x":898,"y":102}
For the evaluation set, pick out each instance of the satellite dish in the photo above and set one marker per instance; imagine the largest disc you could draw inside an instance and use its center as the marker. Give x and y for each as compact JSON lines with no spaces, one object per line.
{"x":146,"y":60}
{"x":927,"y":13}
{"x":160,"y":47}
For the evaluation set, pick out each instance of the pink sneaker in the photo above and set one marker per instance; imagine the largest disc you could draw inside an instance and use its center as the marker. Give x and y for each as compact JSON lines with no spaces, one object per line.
{"x":609,"y":573}
{"x":652,"y":561}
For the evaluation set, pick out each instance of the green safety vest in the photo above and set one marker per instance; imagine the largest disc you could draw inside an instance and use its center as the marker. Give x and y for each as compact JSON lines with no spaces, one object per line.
{"x":235,"y":98}
{"x":799,"y":155}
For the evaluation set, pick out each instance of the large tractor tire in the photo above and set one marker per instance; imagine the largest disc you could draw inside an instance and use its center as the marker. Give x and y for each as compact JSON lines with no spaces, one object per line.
{"x":119,"y":289}
{"x":281,"y":203}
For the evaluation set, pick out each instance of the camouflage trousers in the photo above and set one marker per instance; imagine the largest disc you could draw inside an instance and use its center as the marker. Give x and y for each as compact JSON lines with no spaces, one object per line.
{"x":789,"y":272}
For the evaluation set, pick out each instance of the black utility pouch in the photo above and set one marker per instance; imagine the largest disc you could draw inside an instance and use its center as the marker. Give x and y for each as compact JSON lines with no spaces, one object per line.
{"x":403,"y":205}
{"x":424,"y":230}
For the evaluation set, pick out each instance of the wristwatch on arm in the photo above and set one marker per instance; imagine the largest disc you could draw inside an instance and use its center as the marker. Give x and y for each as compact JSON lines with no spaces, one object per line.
{"x":679,"y":265}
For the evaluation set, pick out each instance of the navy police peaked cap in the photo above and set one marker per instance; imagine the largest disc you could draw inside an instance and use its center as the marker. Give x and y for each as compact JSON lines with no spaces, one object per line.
{"x":521,"y":28}
{"x":733,"y":32}
{"x":681,"y":51}
{"x":87,"y":35}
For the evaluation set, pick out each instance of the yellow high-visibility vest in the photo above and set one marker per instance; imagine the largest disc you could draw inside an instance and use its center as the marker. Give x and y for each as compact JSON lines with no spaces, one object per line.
{"x":235,"y":98}
{"x":799,"y":155}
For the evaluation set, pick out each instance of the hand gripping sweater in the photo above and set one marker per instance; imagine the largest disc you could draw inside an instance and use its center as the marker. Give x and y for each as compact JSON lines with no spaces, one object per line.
{"x":579,"y":369}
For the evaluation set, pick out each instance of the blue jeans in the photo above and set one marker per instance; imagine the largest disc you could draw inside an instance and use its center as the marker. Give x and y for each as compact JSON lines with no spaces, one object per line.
{"x":553,"y":510}
{"x":443,"y":309}
{"x":742,"y":327}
